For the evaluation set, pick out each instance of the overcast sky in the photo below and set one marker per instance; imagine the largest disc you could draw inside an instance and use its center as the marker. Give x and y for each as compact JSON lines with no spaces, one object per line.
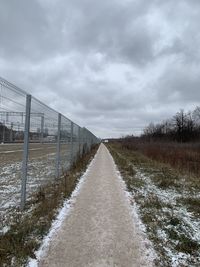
{"x":112,"y":65}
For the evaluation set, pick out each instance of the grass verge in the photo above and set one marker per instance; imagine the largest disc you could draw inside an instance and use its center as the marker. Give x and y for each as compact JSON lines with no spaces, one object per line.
{"x":168,"y":205}
{"x":29,"y":227}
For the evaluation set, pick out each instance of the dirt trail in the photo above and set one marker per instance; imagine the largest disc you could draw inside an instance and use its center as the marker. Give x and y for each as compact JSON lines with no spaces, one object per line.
{"x":99,"y":231}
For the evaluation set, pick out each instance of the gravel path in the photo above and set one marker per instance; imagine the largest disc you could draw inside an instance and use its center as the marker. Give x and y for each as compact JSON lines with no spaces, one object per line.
{"x":99,"y":231}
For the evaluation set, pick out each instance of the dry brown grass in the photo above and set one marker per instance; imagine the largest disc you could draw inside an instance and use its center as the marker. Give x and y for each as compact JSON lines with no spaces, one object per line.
{"x":167,"y":203}
{"x":183,"y":157}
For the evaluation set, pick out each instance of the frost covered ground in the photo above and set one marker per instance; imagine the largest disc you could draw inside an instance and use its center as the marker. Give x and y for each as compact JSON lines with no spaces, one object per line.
{"x":162,"y":199}
{"x":101,"y":228}
{"x":56,"y":224}
{"x":23,"y":236}
{"x":41,"y":171}
{"x":175,"y":222}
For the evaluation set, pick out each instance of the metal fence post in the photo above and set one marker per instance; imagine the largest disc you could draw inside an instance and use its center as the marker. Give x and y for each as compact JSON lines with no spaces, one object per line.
{"x":42,"y":129}
{"x":86,"y":140}
{"x":4,"y":130}
{"x":58,"y":147}
{"x":79,"y":141}
{"x":11,"y":132}
{"x":25,"y":151}
{"x":72,"y":145}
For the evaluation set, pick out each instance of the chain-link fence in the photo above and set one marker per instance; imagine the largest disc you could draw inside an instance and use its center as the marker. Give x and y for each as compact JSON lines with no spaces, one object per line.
{"x":37,"y":145}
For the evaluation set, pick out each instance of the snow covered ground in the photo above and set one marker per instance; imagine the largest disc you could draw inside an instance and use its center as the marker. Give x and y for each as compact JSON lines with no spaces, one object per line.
{"x":187,"y":223}
{"x":97,"y":226}
{"x":173,"y":228}
{"x":41,"y":171}
{"x":56,"y":224}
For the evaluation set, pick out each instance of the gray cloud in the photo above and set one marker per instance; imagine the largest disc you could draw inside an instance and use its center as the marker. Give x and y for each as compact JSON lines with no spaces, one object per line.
{"x":22,"y":28}
{"x":113,"y":66}
{"x":180,"y":83}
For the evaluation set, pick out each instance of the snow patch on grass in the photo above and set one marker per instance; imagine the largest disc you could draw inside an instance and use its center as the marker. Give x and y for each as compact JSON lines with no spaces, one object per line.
{"x":148,"y":254}
{"x":172,"y":227}
{"x":57,"y":223}
{"x":41,"y":171}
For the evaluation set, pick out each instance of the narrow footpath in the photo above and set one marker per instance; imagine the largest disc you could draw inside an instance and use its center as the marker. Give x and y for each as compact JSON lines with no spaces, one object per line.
{"x":99,"y":231}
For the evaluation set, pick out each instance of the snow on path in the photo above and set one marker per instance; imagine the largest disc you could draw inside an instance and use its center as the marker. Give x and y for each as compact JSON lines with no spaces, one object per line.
{"x":100,"y":230}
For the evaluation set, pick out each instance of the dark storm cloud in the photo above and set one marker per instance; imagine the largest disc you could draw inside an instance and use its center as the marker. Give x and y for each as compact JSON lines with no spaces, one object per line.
{"x":117,"y":30}
{"x":113,"y":66}
{"x":31,"y":30}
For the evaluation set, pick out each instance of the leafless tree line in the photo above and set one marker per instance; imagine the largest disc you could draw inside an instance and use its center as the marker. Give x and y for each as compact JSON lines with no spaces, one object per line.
{"x":182,"y":127}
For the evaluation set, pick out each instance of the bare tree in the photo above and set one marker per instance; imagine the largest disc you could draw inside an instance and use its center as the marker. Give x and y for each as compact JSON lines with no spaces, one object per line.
{"x":196,"y":115}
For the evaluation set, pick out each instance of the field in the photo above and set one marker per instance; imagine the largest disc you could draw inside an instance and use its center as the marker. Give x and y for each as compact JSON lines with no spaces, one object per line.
{"x":167,"y":200}
{"x":41,"y":171}
{"x":185,"y":157}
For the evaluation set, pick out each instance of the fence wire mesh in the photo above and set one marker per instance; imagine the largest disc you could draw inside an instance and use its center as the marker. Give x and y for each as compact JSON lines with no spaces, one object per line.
{"x":51,"y":149}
